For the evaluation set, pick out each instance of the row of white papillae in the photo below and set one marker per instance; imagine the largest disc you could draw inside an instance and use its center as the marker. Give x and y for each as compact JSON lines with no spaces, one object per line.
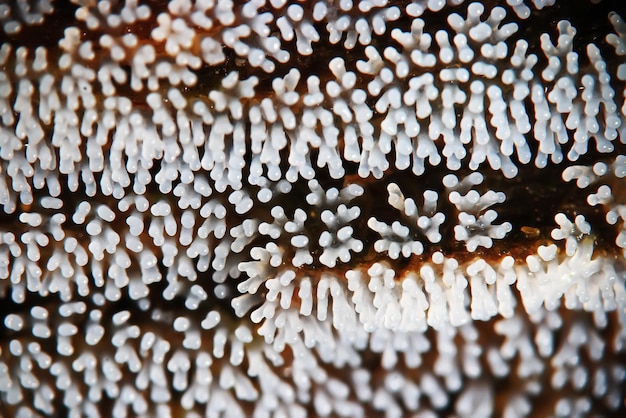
{"x":336,"y":317}
{"x":326,"y":322}
{"x":330,"y":121}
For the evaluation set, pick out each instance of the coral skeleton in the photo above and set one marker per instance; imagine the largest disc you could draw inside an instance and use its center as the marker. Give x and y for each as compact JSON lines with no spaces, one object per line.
{"x":324,"y":208}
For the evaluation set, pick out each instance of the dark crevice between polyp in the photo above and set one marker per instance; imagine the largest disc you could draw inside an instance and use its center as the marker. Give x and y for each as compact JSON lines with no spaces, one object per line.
{"x":533,"y":198}
{"x":46,"y":34}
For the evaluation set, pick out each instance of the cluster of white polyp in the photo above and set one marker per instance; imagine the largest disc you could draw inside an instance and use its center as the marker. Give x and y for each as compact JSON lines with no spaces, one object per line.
{"x":443,"y":292}
{"x":13,"y":16}
{"x":398,"y":238}
{"x":603,"y":177}
{"x":276,"y":267}
{"x":417,"y":90}
{"x":162,"y":253}
{"x":151,"y":358}
{"x":475,"y":226}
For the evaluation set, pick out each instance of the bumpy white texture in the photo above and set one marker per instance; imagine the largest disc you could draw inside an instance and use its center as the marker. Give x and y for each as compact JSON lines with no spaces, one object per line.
{"x":201,"y":361}
{"x":399,"y":239}
{"x":475,"y":226}
{"x":602,"y":178}
{"x":433,"y":296}
{"x":158,"y":237}
{"x":485,"y":79}
{"x":14,"y":16}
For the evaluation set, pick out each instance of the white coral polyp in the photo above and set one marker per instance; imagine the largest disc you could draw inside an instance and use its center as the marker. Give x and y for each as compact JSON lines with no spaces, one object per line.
{"x":189,"y":226}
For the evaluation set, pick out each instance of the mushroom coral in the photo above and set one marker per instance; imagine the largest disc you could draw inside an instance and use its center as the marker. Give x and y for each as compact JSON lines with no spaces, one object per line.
{"x":345,"y":208}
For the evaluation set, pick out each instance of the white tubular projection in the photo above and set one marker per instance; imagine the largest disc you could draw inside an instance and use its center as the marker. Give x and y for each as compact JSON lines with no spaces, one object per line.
{"x":315,"y":208}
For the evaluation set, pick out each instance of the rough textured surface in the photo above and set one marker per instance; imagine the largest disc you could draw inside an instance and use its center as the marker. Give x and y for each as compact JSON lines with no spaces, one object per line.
{"x":315,"y":208}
